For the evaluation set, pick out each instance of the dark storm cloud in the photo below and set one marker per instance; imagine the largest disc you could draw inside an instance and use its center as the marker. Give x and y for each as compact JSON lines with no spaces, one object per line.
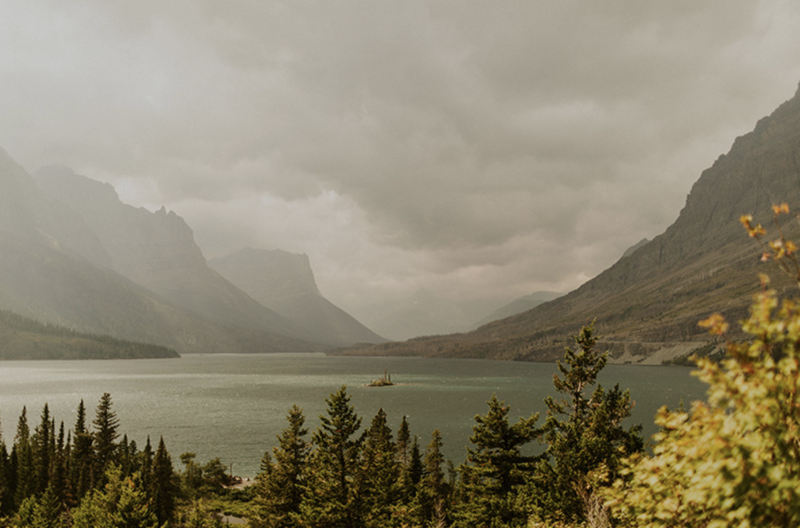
{"x":490,"y":147}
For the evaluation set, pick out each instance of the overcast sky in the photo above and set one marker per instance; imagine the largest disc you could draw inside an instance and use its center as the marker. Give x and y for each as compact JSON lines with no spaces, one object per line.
{"x":477,"y":149}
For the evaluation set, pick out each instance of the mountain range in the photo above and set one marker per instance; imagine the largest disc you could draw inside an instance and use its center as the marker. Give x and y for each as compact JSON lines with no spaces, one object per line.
{"x":647,"y":305}
{"x":284,"y":282}
{"x":72,"y":254}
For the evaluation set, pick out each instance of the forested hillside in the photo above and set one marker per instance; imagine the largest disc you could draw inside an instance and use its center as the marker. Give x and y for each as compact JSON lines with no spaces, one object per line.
{"x":23,"y":338}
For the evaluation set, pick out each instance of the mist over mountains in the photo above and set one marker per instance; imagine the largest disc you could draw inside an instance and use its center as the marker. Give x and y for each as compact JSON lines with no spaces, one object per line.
{"x":72,"y":254}
{"x":284,"y":282}
{"x":647,"y":304}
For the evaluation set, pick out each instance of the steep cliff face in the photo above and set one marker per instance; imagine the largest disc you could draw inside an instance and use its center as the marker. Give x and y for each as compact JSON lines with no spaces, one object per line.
{"x":285,"y":283}
{"x":158,"y":251}
{"x":652,"y":299}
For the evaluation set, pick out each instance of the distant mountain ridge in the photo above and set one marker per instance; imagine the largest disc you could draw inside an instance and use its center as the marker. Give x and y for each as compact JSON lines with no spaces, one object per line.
{"x":522,"y":304}
{"x":54,"y":268}
{"x":647,"y":304}
{"x":158,"y":251}
{"x":284,"y":282}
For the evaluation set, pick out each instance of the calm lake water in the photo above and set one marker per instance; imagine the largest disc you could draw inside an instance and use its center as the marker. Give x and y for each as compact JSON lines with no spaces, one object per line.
{"x":233,"y":406}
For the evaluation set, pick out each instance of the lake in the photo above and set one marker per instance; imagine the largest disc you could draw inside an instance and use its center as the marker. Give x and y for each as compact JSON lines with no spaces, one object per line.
{"x":233,"y":406}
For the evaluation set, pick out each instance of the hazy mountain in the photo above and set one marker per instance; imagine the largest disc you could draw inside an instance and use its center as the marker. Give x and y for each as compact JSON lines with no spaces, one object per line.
{"x":523,"y":304}
{"x":423,"y":314}
{"x":158,"y":251}
{"x":55,"y":269}
{"x":628,"y":252}
{"x":647,"y":304}
{"x":285,"y":283}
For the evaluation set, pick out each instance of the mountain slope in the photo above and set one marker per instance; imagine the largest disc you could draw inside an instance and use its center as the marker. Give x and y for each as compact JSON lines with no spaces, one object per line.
{"x":23,"y":338}
{"x":285,"y":283}
{"x":647,"y":304}
{"x":523,"y":304}
{"x":158,"y":251}
{"x":54,"y":269}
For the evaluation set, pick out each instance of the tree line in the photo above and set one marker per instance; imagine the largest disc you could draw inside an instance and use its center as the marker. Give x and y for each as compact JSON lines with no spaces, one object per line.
{"x":340,"y":478}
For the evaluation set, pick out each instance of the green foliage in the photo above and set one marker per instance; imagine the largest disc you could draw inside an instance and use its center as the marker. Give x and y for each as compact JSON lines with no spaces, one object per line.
{"x":434,"y":490}
{"x":495,"y":469}
{"x":734,"y":460}
{"x":163,"y":486}
{"x":105,"y":435}
{"x":585,"y":437}
{"x":122,"y":503}
{"x":377,"y":475}
{"x":331,"y":499}
{"x":280,"y":485}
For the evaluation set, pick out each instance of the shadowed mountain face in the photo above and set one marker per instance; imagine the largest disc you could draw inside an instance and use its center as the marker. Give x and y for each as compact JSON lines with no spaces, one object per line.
{"x":285,"y":283}
{"x":647,"y":305}
{"x":158,"y":251}
{"x":55,"y":268}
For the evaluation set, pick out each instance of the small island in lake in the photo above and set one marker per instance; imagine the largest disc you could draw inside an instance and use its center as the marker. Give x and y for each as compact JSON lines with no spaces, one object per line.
{"x":385,"y":381}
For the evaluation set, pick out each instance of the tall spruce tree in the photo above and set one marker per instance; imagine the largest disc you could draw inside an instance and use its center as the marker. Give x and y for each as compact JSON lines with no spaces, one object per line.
{"x":495,"y":469}
{"x":378,"y":472}
{"x":42,"y":452}
{"x":433,"y":488}
{"x":25,"y":466}
{"x":105,"y":424}
{"x":163,"y":487}
{"x":280,"y":485}
{"x":331,"y":500}
{"x":81,"y":456}
{"x":582,"y":434}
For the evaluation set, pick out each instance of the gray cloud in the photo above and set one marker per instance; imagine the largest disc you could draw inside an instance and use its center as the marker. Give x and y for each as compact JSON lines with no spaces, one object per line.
{"x":471,"y":148}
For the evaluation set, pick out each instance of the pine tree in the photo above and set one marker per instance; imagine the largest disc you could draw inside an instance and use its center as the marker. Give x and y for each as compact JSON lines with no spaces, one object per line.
{"x":25,"y":466}
{"x":105,"y":435}
{"x":146,"y":464}
{"x":59,"y":471}
{"x":41,"y":445}
{"x":582,"y":434}
{"x":122,"y":502}
{"x":6,"y":489}
{"x":163,"y":486}
{"x":495,"y":468}
{"x":81,"y":456}
{"x":403,"y":443}
{"x":433,"y":489}
{"x":280,"y":485}
{"x":331,"y":500}
{"x":378,"y":472}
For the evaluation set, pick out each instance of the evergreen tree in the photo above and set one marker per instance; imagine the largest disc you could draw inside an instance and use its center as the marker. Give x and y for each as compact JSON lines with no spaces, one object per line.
{"x":495,"y":468}
{"x":280,"y":485}
{"x":25,"y":466}
{"x":163,"y":486}
{"x":122,"y":502}
{"x":403,"y":443}
{"x":405,"y":508}
{"x":433,"y":489}
{"x":59,"y":479}
{"x":378,"y":472}
{"x":582,"y":434}
{"x":105,"y":436}
{"x":82,"y":456}
{"x":42,"y":452}
{"x":6,"y":490}
{"x":331,"y":500}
